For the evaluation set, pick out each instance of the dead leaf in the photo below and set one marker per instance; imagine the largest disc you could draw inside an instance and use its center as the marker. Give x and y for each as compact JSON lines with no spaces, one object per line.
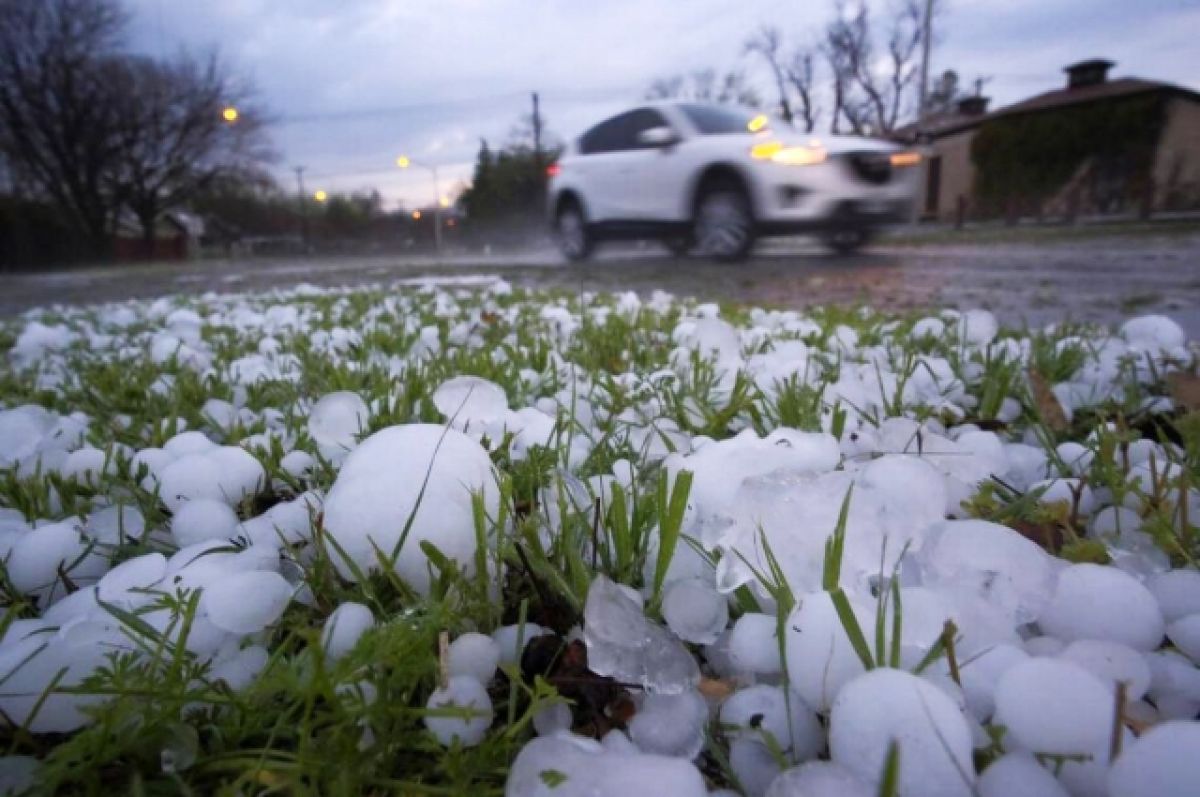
{"x":1050,"y":411}
{"x":1185,"y":390}
{"x":715,"y":688}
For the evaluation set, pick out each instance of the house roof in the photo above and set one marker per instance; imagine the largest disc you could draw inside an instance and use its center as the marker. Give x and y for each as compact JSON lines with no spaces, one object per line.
{"x":946,"y":124}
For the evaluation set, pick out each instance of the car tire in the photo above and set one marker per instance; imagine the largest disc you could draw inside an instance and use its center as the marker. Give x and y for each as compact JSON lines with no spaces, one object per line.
{"x":571,"y":232}
{"x":723,"y":226}
{"x":847,"y":240}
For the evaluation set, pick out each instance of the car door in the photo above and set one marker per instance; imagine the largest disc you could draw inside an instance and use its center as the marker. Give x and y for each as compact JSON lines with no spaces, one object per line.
{"x":597,"y":165}
{"x":634,"y":169}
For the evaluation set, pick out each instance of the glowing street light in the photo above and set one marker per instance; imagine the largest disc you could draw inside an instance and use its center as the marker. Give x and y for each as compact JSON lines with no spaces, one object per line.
{"x":230,"y":114}
{"x":403,"y":161}
{"x":320,"y":195}
{"x":416,"y":214}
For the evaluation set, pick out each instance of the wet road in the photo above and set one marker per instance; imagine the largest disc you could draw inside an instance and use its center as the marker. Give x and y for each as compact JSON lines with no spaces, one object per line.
{"x":1102,"y":279}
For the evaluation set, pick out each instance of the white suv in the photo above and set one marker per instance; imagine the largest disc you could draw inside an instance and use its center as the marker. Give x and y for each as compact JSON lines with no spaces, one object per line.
{"x":712,"y":178}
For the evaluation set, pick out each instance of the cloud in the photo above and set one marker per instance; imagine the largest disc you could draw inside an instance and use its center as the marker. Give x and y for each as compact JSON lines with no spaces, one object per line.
{"x":357,"y":81}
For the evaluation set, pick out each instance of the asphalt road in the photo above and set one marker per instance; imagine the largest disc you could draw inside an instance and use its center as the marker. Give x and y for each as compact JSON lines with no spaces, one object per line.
{"x":1103,"y":279}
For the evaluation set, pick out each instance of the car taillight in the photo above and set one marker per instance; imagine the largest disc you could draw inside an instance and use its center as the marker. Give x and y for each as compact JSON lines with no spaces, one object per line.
{"x":553,"y":169}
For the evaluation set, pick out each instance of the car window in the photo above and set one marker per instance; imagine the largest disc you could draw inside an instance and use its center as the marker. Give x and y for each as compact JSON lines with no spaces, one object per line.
{"x":713,"y":120}
{"x":621,"y":131}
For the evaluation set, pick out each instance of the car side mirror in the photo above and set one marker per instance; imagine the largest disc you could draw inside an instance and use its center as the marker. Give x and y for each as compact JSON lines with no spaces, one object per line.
{"x":657,"y":137}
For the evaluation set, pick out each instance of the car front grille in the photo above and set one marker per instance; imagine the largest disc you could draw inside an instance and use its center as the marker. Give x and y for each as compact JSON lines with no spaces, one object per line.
{"x":870,"y":167}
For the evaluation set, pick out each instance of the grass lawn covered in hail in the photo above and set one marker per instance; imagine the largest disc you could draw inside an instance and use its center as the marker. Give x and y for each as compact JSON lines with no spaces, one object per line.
{"x":471,"y":540}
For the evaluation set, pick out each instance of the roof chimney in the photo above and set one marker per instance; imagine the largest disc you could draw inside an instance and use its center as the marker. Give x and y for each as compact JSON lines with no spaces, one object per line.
{"x":1087,"y":73}
{"x":973,"y":106}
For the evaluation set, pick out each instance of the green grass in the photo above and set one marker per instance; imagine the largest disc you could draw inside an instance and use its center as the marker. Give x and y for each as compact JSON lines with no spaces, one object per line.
{"x":303,"y":727}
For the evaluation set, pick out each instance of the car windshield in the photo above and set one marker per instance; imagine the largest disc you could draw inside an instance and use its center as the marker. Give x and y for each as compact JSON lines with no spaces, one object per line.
{"x":713,"y":120}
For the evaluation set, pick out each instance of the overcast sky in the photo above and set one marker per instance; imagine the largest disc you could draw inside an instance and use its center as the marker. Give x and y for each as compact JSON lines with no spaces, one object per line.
{"x":355,"y":83}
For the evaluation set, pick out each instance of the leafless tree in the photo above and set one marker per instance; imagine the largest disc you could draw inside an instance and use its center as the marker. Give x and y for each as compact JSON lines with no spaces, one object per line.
{"x":57,"y":124}
{"x":801,"y":73}
{"x":767,"y":42}
{"x":172,"y":138}
{"x":870,"y":98}
{"x":705,"y":86}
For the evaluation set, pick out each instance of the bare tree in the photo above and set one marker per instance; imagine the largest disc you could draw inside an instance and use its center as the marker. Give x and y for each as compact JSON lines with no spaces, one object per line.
{"x":704,"y":85}
{"x":768,"y":43}
{"x":868,"y":97}
{"x":57,"y":71}
{"x":172,"y":138}
{"x":801,"y":73}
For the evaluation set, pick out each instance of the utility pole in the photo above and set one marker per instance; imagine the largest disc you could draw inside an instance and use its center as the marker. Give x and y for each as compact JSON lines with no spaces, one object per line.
{"x":303,"y":207}
{"x":437,"y":211}
{"x":926,"y":42}
{"x":537,"y":133}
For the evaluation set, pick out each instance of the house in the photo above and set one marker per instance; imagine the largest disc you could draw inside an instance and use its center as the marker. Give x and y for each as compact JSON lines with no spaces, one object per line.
{"x":176,"y":237}
{"x":1094,"y":146}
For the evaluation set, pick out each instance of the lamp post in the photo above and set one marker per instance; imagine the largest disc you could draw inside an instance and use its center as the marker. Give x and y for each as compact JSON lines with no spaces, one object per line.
{"x":439,"y":201}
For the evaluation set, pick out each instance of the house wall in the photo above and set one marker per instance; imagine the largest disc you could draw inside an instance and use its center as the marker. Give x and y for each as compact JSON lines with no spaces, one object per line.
{"x":1177,"y":162}
{"x":957,"y":178}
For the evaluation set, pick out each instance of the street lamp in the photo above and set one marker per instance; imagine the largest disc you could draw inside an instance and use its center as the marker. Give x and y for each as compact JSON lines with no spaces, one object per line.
{"x":230,"y":114}
{"x":404,"y":162}
{"x":320,"y":195}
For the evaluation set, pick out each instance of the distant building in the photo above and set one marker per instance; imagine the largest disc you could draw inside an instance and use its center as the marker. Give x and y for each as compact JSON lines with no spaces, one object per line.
{"x":1094,"y":146}
{"x":176,"y":237}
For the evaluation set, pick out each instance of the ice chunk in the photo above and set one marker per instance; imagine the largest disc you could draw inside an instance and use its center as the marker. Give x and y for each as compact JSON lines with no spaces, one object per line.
{"x":337,"y":419}
{"x":992,"y":561}
{"x":670,"y":724}
{"x":694,"y":610}
{"x":1177,"y":592}
{"x":344,"y":627}
{"x":624,"y":645}
{"x":403,"y":486}
{"x":121,"y":585}
{"x":820,"y":658}
{"x":39,"y":555}
{"x":1053,"y":706}
{"x":470,"y":403}
{"x":1112,"y":663}
{"x":933,"y":738}
{"x":761,"y":712}
{"x":981,"y":673}
{"x":243,"y":603}
{"x":1184,"y":634}
{"x":755,"y":766}
{"x":1164,"y":761}
{"x":476,"y":655}
{"x":556,"y":718}
{"x":754,"y":644}
{"x":203,"y":519}
{"x":1153,"y":333}
{"x":1100,"y":602}
{"x":977,"y":327}
{"x":507,"y":638}
{"x":471,"y":716}
{"x":1018,"y":774}
{"x":239,"y":669}
{"x":568,"y":766}
{"x":819,"y":779}
{"x":912,"y":487}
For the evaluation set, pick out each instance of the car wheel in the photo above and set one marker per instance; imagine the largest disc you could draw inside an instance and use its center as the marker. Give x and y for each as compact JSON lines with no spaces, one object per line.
{"x":679,"y":245}
{"x":847,"y":240}
{"x":724,"y":225}
{"x":571,"y":233}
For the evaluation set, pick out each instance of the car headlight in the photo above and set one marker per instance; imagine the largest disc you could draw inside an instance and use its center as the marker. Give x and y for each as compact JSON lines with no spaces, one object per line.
{"x":902,"y":159}
{"x":776,"y":152}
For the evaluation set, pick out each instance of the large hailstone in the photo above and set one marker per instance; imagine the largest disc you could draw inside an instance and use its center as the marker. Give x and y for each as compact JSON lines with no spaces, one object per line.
{"x":337,"y":419}
{"x":885,"y":706}
{"x":461,"y":710}
{"x":1018,"y":774}
{"x":820,"y":658}
{"x":344,"y":627}
{"x":1162,"y":762}
{"x":563,"y":765}
{"x":1053,"y":706}
{"x":819,"y":779}
{"x":470,"y":403}
{"x":417,"y":475}
{"x":1101,"y":602}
